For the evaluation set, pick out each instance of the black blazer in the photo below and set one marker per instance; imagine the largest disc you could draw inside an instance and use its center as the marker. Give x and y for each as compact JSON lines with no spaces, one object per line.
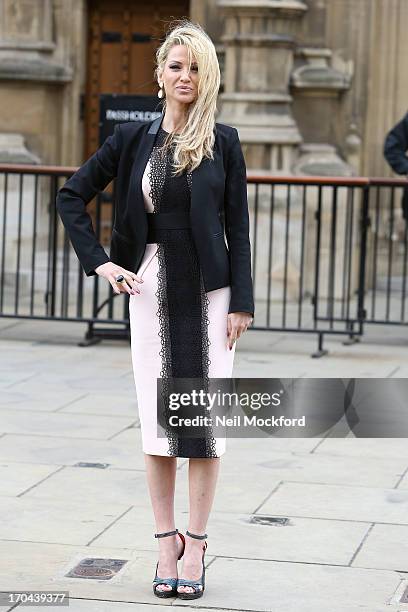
{"x":218,"y":203}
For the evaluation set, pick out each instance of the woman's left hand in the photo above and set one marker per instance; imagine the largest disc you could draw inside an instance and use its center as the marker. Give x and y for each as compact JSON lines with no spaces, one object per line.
{"x":237,"y":324}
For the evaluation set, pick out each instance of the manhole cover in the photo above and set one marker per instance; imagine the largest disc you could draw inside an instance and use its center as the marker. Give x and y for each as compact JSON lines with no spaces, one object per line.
{"x":269,"y":520}
{"x":98,"y":569}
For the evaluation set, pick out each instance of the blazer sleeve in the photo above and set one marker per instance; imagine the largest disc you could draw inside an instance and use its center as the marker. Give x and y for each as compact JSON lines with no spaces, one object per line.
{"x":93,"y":176}
{"x":237,"y":229}
{"x":396,"y":145}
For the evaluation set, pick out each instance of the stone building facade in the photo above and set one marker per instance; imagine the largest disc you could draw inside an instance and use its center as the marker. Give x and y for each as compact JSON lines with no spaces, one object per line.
{"x":295,"y":73}
{"x":312,"y":86}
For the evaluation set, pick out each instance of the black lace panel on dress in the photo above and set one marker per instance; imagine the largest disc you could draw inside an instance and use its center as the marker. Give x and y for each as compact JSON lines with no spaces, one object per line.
{"x":183,"y":304}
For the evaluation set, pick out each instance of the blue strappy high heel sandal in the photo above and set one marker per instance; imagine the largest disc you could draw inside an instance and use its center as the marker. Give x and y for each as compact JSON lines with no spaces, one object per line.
{"x":197,"y":585}
{"x":170,"y":581}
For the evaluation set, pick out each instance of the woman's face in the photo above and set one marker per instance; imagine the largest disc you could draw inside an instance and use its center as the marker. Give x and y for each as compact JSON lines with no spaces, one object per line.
{"x":175,"y":76}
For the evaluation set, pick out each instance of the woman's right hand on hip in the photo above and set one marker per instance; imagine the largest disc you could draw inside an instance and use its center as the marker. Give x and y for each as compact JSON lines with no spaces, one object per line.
{"x":110,"y":271}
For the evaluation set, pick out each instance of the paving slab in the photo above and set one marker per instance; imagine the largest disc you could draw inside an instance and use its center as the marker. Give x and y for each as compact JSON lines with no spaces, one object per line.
{"x":295,"y":587}
{"x":403,"y":484}
{"x":61,"y":384}
{"x":234,"y":535}
{"x":89,"y":605}
{"x":103,"y":485}
{"x":16,"y":478}
{"x":123,"y":453}
{"x":105,"y":380}
{"x":343,"y":549}
{"x":306,"y":467}
{"x":135,"y":530}
{"x":301,"y":540}
{"x":74,"y":522}
{"x":65,"y":425}
{"x":386,"y":547}
{"x":9,"y":377}
{"x":363,"y":447}
{"x":102,"y":404}
{"x":338,"y":502}
{"x":37,"y":399}
{"x":44,"y":566}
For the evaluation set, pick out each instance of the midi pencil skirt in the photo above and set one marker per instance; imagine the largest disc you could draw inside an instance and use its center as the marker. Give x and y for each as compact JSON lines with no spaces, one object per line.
{"x":149,"y":347}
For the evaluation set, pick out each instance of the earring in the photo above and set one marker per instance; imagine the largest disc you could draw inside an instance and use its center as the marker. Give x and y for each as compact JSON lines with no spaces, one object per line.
{"x":160,"y":92}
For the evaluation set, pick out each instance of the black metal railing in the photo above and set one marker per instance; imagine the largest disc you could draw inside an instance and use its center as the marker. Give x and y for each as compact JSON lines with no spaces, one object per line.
{"x":386,"y":262}
{"x":310,"y":278}
{"x":41,"y":277}
{"x":329,"y":255}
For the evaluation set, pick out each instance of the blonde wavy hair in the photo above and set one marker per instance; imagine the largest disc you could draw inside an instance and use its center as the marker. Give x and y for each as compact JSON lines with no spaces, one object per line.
{"x":196,"y":140}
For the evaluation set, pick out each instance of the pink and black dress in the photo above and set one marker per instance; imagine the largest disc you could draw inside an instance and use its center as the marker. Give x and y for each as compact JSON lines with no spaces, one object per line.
{"x":178,"y":330}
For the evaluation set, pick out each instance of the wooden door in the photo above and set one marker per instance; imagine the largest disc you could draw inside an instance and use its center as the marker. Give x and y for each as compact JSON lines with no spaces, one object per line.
{"x":123,"y":37}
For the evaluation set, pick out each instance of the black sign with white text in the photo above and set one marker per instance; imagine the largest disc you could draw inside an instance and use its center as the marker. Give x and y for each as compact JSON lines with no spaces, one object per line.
{"x":119,"y":108}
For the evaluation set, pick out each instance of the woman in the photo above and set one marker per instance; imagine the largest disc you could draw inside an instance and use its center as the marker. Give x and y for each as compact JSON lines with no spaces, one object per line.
{"x":190,"y":297}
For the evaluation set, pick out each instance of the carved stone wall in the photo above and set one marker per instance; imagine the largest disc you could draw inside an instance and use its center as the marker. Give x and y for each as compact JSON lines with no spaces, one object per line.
{"x":368,"y":45}
{"x":256,"y":97}
{"x":312,"y":86}
{"x":42,"y":46}
{"x":354,"y":50}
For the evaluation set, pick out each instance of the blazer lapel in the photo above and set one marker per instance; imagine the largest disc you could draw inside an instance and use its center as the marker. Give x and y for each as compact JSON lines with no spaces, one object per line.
{"x":138,"y":167}
{"x":198,"y":176}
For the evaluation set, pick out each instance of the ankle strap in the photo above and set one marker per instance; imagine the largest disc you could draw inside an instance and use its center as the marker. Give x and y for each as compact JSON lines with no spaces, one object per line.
{"x":197,"y":537}
{"x":165,"y":533}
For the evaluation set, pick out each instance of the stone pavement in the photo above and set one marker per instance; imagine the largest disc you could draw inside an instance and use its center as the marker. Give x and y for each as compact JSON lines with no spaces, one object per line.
{"x":344,"y":548}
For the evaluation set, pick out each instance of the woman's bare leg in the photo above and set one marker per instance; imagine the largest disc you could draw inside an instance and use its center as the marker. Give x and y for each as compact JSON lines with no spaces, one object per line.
{"x":161,"y":478}
{"x":203,"y":474}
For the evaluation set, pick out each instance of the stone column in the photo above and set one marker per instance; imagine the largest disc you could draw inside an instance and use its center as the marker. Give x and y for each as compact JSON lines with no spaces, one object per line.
{"x":30,"y":76}
{"x":259,"y":39}
{"x":30,"y":62}
{"x":318,"y":89}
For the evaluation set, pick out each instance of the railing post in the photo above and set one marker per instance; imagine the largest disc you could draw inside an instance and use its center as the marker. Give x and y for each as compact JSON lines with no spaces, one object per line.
{"x":318,"y":218}
{"x":364,"y":223}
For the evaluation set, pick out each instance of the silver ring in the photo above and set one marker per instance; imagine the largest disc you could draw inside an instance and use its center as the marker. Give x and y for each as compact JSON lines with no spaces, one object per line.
{"x":120,"y":278}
